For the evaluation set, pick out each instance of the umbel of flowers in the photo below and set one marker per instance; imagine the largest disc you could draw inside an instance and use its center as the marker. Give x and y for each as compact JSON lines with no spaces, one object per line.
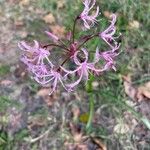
{"x":39,"y":58}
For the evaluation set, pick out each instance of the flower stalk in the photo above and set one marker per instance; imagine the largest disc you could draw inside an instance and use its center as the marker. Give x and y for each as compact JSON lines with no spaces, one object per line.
{"x":91,"y":113}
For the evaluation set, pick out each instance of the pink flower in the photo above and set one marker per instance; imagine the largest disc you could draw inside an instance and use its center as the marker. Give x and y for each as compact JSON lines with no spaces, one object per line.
{"x":44,"y":76}
{"x":70,"y":50}
{"x":83,"y":68}
{"x":108,"y":57}
{"x":108,"y":34}
{"x":34,"y":54}
{"x":55,"y":78}
{"x":41,"y":73}
{"x":52,"y":36}
{"x":89,"y":20}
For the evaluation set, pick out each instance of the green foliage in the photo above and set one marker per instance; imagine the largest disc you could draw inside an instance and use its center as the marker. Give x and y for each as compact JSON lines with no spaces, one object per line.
{"x":8,"y":142}
{"x":48,"y":5}
{"x":34,"y":86}
{"x":6,"y":102}
{"x":4,"y":70}
{"x":3,"y":140}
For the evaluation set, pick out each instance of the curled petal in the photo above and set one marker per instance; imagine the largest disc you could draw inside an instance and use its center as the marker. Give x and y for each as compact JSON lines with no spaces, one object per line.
{"x":76,"y":59}
{"x":69,"y":71}
{"x":72,"y":85}
{"x":108,"y":34}
{"x":89,"y":20}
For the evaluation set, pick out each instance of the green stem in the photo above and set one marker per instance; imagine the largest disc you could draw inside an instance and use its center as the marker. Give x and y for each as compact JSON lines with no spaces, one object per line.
{"x":91,"y":113}
{"x":89,"y":89}
{"x":73,"y":31}
{"x":92,"y":36}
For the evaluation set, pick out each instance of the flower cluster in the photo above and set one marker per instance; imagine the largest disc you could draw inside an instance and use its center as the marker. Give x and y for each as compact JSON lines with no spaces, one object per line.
{"x":39,"y":58}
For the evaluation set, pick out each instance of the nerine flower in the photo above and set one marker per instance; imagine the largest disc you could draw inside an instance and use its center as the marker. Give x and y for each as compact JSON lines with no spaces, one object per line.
{"x":41,"y":73}
{"x":83,"y":68}
{"x":33,"y":54}
{"x":44,"y":76}
{"x":89,"y":20}
{"x":108,"y":57}
{"x":46,"y":72}
{"x":55,"y":78}
{"x":108,"y":34}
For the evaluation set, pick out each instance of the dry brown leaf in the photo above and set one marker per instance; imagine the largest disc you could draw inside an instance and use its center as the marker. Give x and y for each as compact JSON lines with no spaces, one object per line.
{"x":129,"y":89}
{"x":36,"y":121}
{"x":43,"y":92}
{"x":49,"y":100}
{"x":49,"y":18}
{"x":107,"y":14}
{"x":144,"y":91}
{"x":77,"y":136}
{"x":134,"y":24}
{"x":58,"y":30}
{"x":19,"y":23}
{"x":76,"y":112}
{"x":24,"y":2}
{"x":121,"y":128}
{"x":60,"y":4}
{"x":136,"y":93}
{"x":6,"y":82}
{"x":100,"y":144}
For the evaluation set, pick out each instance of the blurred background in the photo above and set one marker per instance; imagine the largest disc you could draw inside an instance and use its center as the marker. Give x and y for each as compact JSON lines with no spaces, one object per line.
{"x":31,"y":120}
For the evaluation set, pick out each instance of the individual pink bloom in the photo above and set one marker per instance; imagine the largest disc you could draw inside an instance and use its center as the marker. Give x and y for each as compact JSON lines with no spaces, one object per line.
{"x":82,"y":70}
{"x":108,"y":34}
{"x":41,"y":73}
{"x":52,"y":36}
{"x":108,"y":57}
{"x":89,"y":20}
{"x":44,"y":76}
{"x":55,"y":78}
{"x":34,"y":54}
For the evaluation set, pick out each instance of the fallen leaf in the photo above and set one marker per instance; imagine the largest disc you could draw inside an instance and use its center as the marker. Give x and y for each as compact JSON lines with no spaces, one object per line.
{"x":49,"y":100}
{"x":58,"y":30}
{"x":49,"y":18}
{"x":100,"y":144}
{"x":144,"y":90}
{"x":134,"y":24}
{"x":107,"y":14}
{"x":24,"y":2}
{"x":121,"y":128}
{"x":129,"y":89}
{"x":19,"y":23}
{"x":37,"y":120}
{"x":60,"y":4}
{"x":6,"y":82}
{"x":43,"y":92}
{"x":77,"y":135}
{"x":76,"y":113}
